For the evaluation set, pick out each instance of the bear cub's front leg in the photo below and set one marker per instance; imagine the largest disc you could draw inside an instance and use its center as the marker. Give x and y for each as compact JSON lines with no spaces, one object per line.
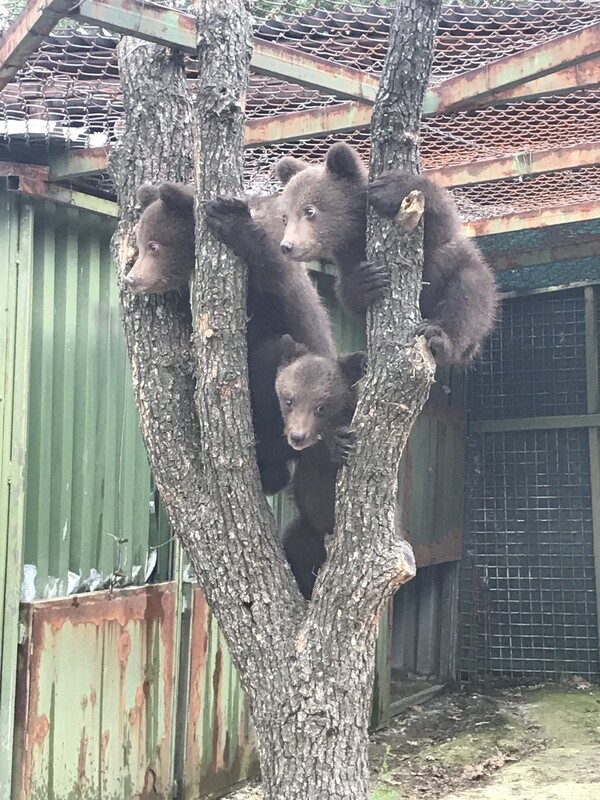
{"x":340,"y":443}
{"x":229,"y":219}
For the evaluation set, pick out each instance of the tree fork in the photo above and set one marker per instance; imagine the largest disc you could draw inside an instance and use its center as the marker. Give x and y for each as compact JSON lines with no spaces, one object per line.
{"x":308,"y":668}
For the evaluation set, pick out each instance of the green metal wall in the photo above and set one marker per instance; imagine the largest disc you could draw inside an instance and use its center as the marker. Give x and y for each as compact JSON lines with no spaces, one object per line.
{"x":154,"y":696}
{"x":88,"y":479}
{"x":16,"y":224}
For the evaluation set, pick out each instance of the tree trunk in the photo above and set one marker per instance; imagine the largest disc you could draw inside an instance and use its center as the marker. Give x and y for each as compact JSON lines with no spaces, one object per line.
{"x":307,"y":668}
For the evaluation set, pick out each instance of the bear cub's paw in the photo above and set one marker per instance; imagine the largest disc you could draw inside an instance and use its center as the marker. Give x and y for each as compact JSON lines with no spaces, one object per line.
{"x":341,"y":444}
{"x":385,"y":195}
{"x":225,"y":214}
{"x":437,"y":340}
{"x":373,"y":279}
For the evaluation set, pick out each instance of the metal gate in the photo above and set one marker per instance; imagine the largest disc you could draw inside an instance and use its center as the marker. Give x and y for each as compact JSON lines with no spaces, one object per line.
{"x":528,"y":605}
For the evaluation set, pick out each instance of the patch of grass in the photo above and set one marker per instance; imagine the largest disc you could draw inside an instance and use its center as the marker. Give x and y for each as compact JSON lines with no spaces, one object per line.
{"x":386,"y":794}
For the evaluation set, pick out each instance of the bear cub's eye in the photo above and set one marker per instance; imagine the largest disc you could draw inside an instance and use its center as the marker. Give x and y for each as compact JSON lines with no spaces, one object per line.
{"x":153,"y":247}
{"x":284,"y":219}
{"x":310,"y":211}
{"x":320,"y":409}
{"x":288,"y":401}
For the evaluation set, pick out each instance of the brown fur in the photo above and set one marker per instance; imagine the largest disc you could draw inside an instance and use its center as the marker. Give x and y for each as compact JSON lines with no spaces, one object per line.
{"x":324,"y":210}
{"x":281,"y":297}
{"x":317,"y":397}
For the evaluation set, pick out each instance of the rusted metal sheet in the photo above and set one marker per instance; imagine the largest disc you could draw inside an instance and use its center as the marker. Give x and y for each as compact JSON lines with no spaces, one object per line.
{"x":220,"y":744}
{"x":95,"y":697}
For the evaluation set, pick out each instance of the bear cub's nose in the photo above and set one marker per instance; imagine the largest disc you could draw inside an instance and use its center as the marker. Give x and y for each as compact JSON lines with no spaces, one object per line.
{"x":297,"y":438}
{"x":286,"y":247}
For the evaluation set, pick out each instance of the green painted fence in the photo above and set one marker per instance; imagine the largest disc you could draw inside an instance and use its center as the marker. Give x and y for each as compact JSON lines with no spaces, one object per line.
{"x":88,"y":479}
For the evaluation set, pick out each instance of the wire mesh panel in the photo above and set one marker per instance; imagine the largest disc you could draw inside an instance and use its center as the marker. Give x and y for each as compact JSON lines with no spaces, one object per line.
{"x":528,"y":592}
{"x":534,"y":362}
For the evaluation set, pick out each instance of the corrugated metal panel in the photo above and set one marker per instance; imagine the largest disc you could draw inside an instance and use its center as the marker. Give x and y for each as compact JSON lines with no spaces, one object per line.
{"x":16,"y":224}
{"x":425,"y":624}
{"x":95,"y":696}
{"x":219,"y":749}
{"x":88,"y":475}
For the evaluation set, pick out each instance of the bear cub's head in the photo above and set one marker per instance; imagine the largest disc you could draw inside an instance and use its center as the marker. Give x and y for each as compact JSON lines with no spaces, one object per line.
{"x":323,"y":206}
{"x":165,"y":239}
{"x":316,"y":394}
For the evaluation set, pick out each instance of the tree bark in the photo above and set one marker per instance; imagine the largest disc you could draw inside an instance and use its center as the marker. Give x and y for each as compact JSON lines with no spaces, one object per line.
{"x":307,"y":668}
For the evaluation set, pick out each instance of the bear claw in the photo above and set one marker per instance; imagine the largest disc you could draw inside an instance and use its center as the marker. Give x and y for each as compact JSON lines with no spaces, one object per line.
{"x":224,"y":214}
{"x":373,"y":279}
{"x":437,"y":340}
{"x":342,"y":444}
{"x":383,"y":195}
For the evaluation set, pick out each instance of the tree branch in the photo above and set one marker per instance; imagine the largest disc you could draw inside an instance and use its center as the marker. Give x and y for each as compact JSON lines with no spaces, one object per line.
{"x":246,"y":578}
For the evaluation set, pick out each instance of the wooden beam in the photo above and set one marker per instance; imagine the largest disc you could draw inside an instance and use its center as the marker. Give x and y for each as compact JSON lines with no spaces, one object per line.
{"x":26,"y":34}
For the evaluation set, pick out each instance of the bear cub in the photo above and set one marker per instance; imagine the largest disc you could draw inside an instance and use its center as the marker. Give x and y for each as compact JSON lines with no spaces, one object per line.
{"x":281,"y":296}
{"x":317,"y":396}
{"x":324,"y":213}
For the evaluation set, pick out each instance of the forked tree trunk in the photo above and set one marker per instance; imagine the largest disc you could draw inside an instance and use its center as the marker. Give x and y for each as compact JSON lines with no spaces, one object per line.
{"x":307,"y":668}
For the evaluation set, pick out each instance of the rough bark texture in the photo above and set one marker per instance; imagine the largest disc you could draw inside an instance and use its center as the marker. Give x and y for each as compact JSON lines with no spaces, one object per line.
{"x":308,"y":668}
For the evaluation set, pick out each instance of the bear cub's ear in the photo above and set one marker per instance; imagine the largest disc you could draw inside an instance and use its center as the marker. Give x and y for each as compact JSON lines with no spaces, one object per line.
{"x":344,"y":162}
{"x":147,"y":194}
{"x":287,"y":167}
{"x":177,"y":195}
{"x":290,"y":350}
{"x":353,"y":366}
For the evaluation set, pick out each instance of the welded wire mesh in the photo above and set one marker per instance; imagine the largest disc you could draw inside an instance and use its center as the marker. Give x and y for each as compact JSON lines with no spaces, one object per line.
{"x":528,"y":598}
{"x":535,"y":362}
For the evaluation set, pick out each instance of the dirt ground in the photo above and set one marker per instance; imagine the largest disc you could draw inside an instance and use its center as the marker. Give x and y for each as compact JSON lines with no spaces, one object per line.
{"x":526,"y":743}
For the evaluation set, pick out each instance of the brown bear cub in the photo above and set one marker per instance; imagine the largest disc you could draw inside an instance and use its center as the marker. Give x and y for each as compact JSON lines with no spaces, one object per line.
{"x":324,"y":212}
{"x":317,"y":395}
{"x":281,"y":296}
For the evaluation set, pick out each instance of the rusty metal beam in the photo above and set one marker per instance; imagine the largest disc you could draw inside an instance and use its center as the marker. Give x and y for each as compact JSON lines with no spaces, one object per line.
{"x":289,"y":64}
{"x":33,"y":182}
{"x":77,"y":162}
{"x":507,"y":78}
{"x":585,"y":75}
{"x":178,"y":29}
{"x":87,"y":161}
{"x":26,"y":33}
{"x":538,"y":218}
{"x":583,"y":248}
{"x":530,"y":162}
{"x":303,"y":124}
{"x":543,"y":59}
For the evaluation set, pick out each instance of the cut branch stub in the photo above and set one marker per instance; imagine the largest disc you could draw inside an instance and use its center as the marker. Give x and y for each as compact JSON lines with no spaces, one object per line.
{"x":412,"y":209}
